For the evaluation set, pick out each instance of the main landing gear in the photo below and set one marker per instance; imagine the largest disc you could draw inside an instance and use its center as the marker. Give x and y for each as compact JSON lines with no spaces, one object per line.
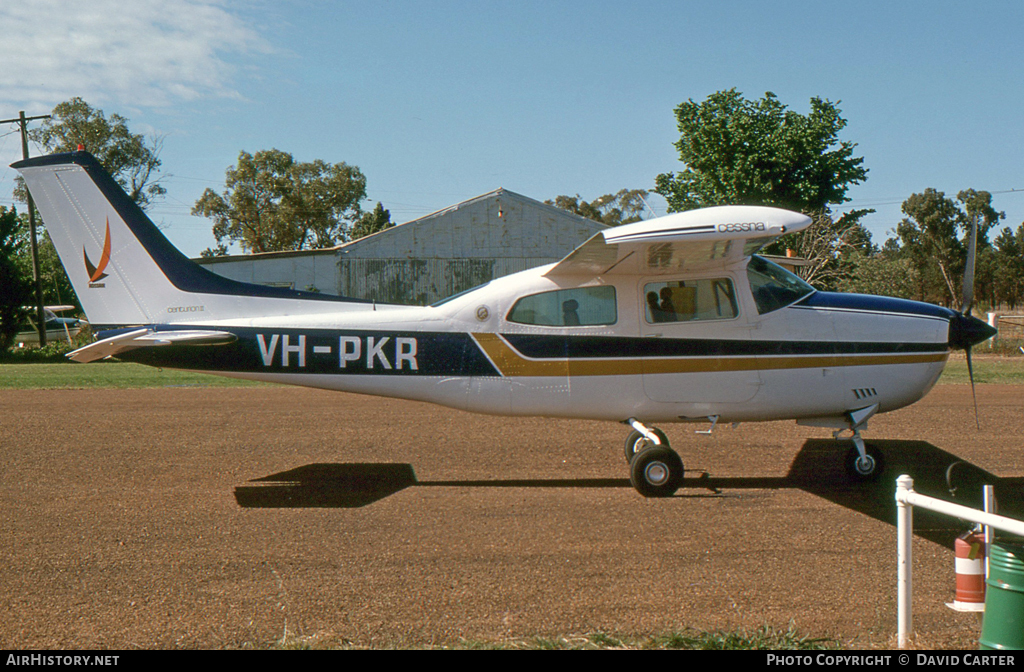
{"x":655,"y":470}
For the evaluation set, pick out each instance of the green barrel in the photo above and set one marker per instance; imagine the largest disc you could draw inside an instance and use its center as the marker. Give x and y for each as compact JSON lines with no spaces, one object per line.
{"x":1003,"y":623}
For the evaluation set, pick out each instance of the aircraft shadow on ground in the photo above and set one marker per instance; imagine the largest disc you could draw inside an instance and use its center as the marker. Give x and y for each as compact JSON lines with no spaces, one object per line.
{"x":326,"y":486}
{"x":359,"y":484}
{"x":819,"y":468}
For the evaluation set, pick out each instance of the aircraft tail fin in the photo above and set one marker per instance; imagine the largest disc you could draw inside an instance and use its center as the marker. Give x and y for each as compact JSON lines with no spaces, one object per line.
{"x":123,"y":269}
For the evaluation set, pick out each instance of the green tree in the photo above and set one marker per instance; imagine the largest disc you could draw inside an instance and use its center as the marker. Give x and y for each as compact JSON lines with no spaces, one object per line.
{"x":933,"y":235}
{"x":56,"y":285}
{"x":371,"y":222}
{"x":1008,"y":275}
{"x":882,"y":272}
{"x":831,"y":246}
{"x":15,"y":289}
{"x":742,"y":152}
{"x":624,"y":207}
{"x":132,"y":160}
{"x":274,"y":203}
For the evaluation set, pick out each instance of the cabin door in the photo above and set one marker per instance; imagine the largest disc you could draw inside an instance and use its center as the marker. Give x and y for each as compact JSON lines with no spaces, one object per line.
{"x":697,"y":341}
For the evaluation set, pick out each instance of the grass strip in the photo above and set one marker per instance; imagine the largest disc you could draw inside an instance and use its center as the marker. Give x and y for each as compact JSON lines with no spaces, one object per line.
{"x":765,"y":638}
{"x":127,"y":375}
{"x":112,"y":375}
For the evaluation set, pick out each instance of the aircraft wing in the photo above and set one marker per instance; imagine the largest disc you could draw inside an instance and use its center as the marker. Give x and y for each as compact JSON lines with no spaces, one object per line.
{"x":708,"y":237}
{"x":148,"y":338}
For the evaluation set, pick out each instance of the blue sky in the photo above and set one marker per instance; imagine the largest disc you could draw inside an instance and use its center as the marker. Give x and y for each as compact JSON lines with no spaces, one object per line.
{"x":439,"y":101}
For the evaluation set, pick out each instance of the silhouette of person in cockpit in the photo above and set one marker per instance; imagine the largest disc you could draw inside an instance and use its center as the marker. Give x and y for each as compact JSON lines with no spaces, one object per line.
{"x":652,"y":305}
{"x":668,"y":311}
{"x":570,"y":317}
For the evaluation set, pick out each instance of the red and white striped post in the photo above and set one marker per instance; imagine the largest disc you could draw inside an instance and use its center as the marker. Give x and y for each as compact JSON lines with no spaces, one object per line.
{"x":970,"y":551}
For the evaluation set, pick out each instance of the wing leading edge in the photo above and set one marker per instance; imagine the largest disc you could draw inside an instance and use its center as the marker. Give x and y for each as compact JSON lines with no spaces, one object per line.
{"x":705,"y":238}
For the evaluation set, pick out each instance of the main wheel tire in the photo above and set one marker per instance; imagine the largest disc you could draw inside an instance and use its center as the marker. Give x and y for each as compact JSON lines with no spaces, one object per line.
{"x":868,"y":469}
{"x":637,"y":442}
{"x":656,"y":472}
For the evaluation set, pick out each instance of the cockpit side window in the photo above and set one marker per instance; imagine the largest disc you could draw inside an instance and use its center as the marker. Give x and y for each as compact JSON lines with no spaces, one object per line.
{"x":688,"y":300}
{"x":774,"y":287}
{"x":578,"y":307}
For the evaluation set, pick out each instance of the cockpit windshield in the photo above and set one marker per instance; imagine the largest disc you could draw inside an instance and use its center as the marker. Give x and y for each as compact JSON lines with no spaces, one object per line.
{"x":773,"y":286}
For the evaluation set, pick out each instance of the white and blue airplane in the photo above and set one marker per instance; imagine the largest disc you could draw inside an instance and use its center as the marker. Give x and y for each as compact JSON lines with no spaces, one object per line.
{"x":674,"y":319}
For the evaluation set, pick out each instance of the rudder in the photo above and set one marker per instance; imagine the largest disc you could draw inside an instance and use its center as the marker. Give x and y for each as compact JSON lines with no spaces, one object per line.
{"x":123,"y":269}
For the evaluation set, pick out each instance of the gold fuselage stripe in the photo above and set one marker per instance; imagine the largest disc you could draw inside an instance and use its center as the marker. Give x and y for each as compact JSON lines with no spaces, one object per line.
{"x":510,"y":363}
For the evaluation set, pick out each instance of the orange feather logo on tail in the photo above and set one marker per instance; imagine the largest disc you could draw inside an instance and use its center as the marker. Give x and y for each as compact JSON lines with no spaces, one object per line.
{"x":96,"y":272}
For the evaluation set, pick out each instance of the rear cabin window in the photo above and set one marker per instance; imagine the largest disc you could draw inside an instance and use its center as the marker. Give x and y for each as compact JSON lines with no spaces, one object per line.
{"x":690,"y":300}
{"x":773,"y":286}
{"x":579,"y":307}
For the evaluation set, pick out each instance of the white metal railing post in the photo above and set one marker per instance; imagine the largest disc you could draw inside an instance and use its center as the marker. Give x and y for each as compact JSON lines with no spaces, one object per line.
{"x":906,"y":500}
{"x":988,"y":495}
{"x":904,"y":559}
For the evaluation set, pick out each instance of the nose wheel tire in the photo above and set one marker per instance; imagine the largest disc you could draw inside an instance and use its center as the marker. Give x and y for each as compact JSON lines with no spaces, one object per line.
{"x":637,"y":442}
{"x":867,"y":468}
{"x":656,"y":472}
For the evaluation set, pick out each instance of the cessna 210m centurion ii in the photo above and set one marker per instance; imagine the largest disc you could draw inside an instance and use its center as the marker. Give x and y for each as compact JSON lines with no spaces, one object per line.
{"x":673,"y":319}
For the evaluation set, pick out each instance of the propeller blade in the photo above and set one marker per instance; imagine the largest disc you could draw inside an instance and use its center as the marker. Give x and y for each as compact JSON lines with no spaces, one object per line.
{"x":972,"y":251}
{"x":970,"y":374}
{"x":965,"y":322}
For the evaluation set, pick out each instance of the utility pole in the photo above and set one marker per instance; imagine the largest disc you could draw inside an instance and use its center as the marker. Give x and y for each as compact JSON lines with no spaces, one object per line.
{"x":22,"y":120}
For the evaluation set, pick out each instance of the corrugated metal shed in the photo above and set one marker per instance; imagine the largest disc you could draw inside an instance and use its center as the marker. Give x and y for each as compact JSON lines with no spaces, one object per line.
{"x":427,"y":259}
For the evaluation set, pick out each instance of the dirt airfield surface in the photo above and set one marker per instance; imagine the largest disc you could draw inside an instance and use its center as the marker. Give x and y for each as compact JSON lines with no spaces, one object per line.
{"x":209,"y":518}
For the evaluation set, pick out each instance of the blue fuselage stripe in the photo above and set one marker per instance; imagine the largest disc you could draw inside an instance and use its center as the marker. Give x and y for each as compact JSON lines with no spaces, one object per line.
{"x":321,"y":351}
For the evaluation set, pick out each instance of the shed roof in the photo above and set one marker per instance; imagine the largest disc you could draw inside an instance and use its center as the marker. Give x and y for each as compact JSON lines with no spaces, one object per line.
{"x":502,"y":198}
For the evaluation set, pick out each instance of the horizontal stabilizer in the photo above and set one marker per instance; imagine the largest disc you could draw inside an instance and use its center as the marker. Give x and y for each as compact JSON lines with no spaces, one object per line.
{"x":148,"y":338}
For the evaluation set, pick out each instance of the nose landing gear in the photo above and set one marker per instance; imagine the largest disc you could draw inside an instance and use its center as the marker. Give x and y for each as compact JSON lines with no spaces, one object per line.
{"x":864,"y":462}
